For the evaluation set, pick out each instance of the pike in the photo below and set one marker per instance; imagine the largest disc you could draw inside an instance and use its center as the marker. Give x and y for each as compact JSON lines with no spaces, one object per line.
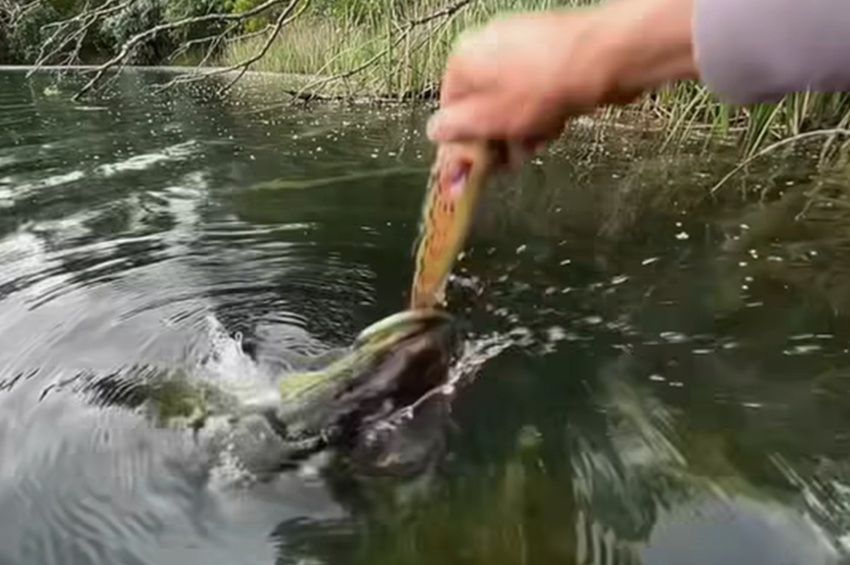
{"x":389,"y":366}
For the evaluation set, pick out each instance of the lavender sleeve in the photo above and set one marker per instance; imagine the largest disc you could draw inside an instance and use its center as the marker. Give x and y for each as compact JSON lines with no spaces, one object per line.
{"x":758,"y":50}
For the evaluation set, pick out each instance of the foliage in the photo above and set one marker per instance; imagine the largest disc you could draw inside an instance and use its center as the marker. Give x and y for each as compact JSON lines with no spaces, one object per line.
{"x":179,"y":9}
{"x":137,"y":17}
{"x":242,"y":6}
{"x":373,"y":61}
{"x":25,"y":37}
{"x":367,"y":47}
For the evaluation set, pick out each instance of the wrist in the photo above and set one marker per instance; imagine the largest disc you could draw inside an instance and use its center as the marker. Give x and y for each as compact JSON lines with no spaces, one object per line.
{"x":644,"y":44}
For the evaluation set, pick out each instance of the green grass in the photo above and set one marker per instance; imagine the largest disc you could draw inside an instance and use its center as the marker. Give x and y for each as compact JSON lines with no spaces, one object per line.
{"x":377,"y":52}
{"x":366,"y":46}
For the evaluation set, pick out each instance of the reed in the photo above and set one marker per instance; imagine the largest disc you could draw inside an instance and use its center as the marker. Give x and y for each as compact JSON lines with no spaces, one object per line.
{"x":368,"y":48}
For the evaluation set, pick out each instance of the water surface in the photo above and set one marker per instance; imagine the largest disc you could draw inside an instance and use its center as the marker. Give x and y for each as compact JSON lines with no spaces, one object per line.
{"x":651,"y":376}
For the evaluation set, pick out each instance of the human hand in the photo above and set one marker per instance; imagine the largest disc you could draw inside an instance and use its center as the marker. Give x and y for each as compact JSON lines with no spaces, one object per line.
{"x":521,"y":77}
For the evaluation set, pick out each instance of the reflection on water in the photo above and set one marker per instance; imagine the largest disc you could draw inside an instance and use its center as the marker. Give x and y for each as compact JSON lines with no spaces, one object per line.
{"x":649,"y":376}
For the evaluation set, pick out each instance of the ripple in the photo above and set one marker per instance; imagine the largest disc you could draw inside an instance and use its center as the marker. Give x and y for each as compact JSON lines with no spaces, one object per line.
{"x":155,"y":236}
{"x":177,"y":152}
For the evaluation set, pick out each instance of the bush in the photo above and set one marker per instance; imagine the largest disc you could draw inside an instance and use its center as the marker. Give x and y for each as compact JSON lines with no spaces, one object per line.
{"x":242,"y":6}
{"x":24,"y":40}
{"x":180,"y":9}
{"x":141,"y":15}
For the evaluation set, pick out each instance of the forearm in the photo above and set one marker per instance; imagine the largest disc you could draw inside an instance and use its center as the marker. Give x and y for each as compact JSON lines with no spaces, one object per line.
{"x":744,"y":51}
{"x":758,"y":50}
{"x":646,"y":43}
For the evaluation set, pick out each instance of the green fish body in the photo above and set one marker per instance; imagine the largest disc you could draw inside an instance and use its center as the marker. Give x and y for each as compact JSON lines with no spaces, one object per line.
{"x":390,"y":366}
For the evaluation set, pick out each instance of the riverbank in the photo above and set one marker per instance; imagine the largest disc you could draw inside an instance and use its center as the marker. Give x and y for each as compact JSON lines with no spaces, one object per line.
{"x":389,"y":55}
{"x":367,"y":50}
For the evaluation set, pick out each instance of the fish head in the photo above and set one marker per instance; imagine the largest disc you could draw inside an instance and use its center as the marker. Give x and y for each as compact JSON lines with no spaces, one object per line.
{"x":405,"y":434}
{"x":390,"y":365}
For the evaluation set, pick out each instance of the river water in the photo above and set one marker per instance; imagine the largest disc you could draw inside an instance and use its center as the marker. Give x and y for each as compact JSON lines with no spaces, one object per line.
{"x":651,"y":375}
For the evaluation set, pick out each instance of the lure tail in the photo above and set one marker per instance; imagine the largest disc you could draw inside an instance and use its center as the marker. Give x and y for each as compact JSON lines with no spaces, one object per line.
{"x":459,"y":172}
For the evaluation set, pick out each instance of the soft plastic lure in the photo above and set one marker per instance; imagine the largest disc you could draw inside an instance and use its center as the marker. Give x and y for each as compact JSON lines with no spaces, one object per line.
{"x":459,"y":172}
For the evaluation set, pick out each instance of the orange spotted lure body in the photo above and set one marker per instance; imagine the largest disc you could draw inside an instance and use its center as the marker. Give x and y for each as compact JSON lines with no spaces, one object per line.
{"x":460,"y":171}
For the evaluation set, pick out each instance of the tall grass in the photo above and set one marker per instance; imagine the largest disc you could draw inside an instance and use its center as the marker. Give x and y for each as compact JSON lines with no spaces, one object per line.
{"x":366,"y":48}
{"x":377,"y":52}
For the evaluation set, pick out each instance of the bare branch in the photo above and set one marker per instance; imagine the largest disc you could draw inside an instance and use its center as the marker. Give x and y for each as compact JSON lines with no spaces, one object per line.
{"x":130,"y":44}
{"x":448,"y":12}
{"x":283,"y":19}
{"x":445,"y":12}
{"x":66,"y":35}
{"x":67,"y":39}
{"x":13,"y":12}
{"x":251,"y":34}
{"x":217,"y":39}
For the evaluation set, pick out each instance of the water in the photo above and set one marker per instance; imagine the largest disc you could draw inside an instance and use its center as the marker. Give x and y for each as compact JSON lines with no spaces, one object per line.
{"x":651,"y":376}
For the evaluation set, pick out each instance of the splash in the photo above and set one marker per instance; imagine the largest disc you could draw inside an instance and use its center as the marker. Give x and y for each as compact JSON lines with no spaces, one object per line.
{"x":475,"y":353}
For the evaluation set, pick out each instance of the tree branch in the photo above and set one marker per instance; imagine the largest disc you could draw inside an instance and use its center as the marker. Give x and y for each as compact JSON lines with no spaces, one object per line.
{"x":130,"y":44}
{"x":13,"y":11}
{"x":445,"y":12}
{"x":66,"y":36}
{"x":283,"y":19}
{"x":405,"y":31}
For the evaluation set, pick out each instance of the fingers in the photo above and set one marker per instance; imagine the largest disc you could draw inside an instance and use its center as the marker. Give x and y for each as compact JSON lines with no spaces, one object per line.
{"x":466,"y":120}
{"x":477,"y":117}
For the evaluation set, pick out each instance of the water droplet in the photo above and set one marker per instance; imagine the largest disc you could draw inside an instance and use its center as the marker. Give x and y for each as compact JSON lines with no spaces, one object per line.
{"x":555,"y":333}
{"x":802,"y":349}
{"x":673,"y":337}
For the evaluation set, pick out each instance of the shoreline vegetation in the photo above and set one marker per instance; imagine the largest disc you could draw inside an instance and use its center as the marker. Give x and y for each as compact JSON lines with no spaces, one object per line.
{"x":378,"y":50}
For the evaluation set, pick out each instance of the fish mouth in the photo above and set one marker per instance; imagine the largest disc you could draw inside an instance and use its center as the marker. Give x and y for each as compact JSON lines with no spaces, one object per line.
{"x":403,"y":324}
{"x":397,"y":361}
{"x":405,"y":434}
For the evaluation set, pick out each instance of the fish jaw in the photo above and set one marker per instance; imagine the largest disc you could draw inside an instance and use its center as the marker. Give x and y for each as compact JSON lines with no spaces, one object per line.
{"x":389,"y":368}
{"x":401,"y":324}
{"x":459,"y":173}
{"x":388,"y":444}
